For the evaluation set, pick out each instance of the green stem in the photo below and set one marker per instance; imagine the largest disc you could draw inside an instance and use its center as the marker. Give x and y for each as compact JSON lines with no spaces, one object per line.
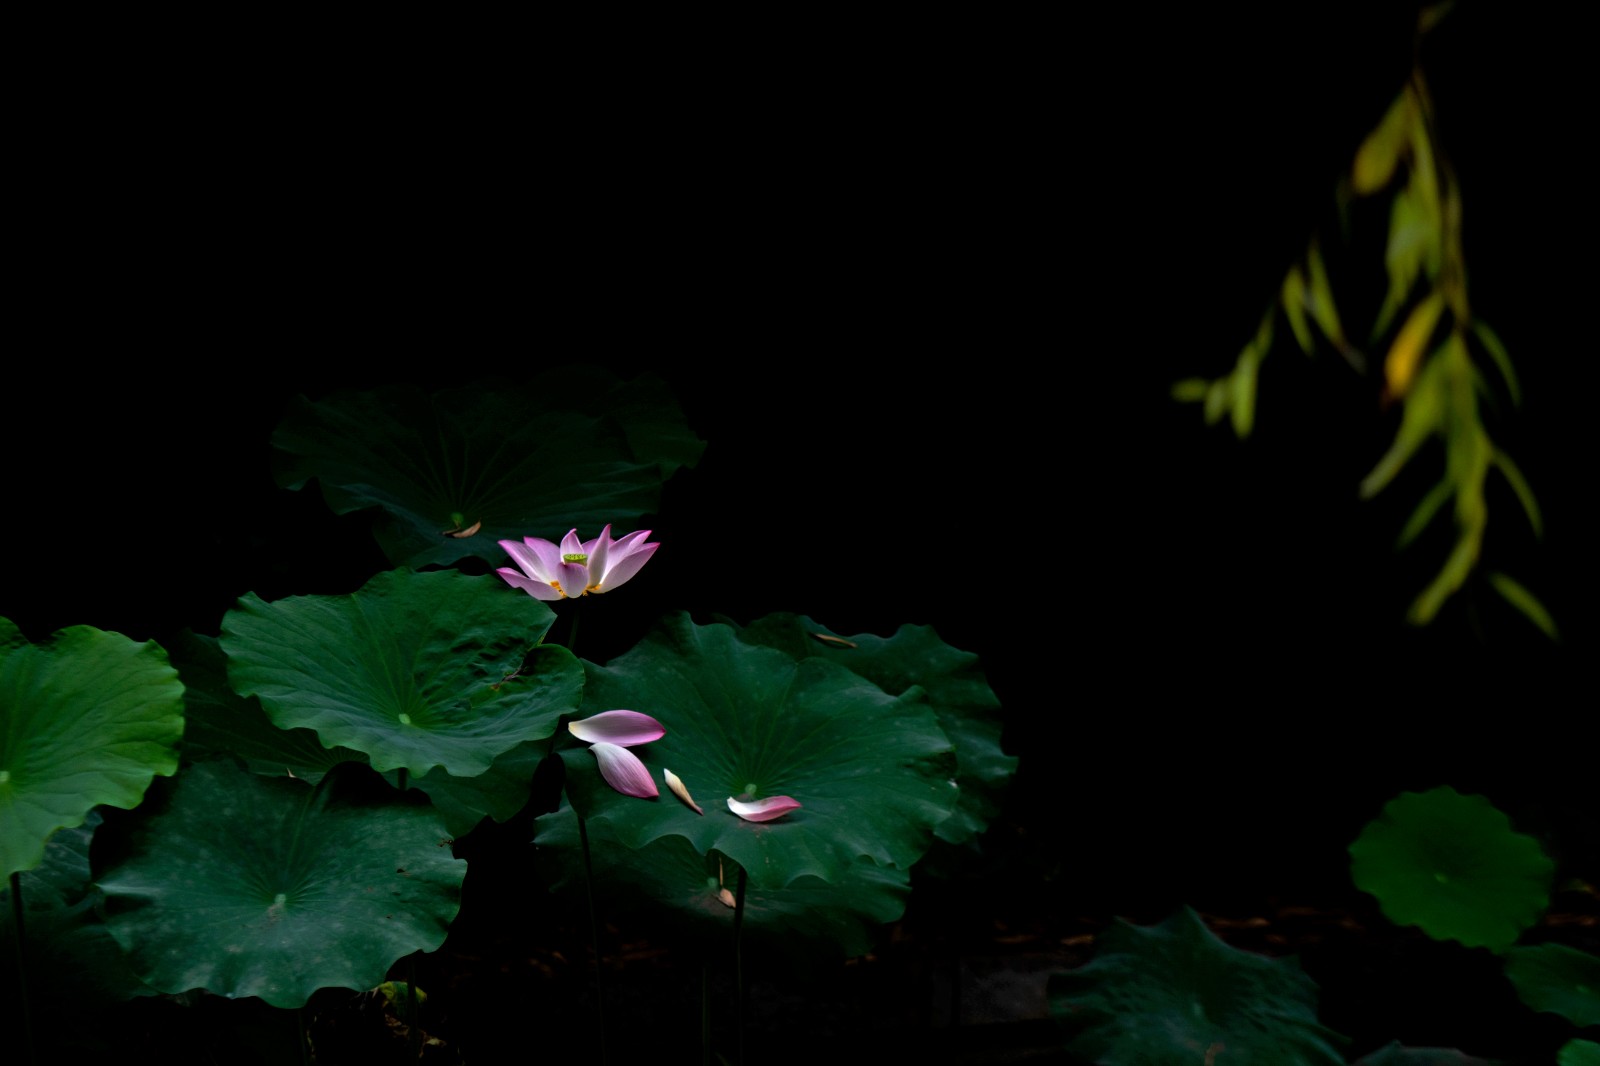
{"x":301,"y":1035}
{"x":594,"y":934}
{"x":572,"y":627}
{"x":705,"y":1012}
{"x":738,"y":959}
{"x":22,"y":969}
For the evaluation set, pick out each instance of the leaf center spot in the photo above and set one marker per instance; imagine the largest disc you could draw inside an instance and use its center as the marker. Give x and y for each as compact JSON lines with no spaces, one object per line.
{"x":1442,"y":878}
{"x":405,"y":719}
{"x":5,"y":775}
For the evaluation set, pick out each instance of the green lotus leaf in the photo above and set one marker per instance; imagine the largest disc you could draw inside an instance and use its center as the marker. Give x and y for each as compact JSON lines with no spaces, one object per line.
{"x":218,"y":721}
{"x":221,"y":722}
{"x":415,"y":670}
{"x":1395,"y":1054}
{"x":1174,"y":992}
{"x":953,"y":682}
{"x":870,"y":770}
{"x":675,"y":879}
{"x":1452,"y":865}
{"x":89,"y":718}
{"x":1558,"y":979}
{"x":70,"y":957}
{"x":576,"y":447}
{"x":246,"y":885}
{"x":499,"y":792}
{"x":1578,"y":1053}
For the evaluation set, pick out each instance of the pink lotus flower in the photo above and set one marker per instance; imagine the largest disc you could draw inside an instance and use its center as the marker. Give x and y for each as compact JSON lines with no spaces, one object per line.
{"x":575,"y":567}
{"x":609,"y":735}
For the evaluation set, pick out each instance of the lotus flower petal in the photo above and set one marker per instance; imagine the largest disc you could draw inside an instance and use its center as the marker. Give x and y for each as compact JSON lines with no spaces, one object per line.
{"x":623,"y":771}
{"x":679,"y":789}
{"x":539,"y":590}
{"x":626,"y":728}
{"x":763,"y":810}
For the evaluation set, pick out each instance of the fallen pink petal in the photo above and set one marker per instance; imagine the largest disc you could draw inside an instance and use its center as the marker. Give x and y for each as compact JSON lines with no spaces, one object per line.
{"x":763,"y":810}
{"x":679,"y":789}
{"x":623,"y":771}
{"x":626,"y":728}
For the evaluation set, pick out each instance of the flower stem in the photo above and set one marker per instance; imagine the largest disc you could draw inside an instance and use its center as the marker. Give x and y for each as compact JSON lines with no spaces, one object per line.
{"x":738,"y":959}
{"x":705,"y":1012}
{"x":22,"y":969}
{"x":594,"y":934}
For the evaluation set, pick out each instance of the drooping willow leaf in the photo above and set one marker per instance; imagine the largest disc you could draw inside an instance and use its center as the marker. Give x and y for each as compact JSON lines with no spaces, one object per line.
{"x":245,"y":885}
{"x":87,"y":718}
{"x":871,"y":771}
{"x":1174,"y":992}
{"x":456,"y":471}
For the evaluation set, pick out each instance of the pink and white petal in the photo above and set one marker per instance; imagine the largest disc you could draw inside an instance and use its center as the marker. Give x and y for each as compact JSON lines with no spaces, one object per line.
{"x":623,"y":771}
{"x":617,"y":727}
{"x":763,"y":810}
{"x":604,"y":538}
{"x":545,"y":555}
{"x":630,"y":543}
{"x":539,"y":590}
{"x":573,"y":578}
{"x":570,"y":544}
{"x":599,"y":550}
{"x":679,"y":789}
{"x":526,"y":559}
{"x":624,"y":567}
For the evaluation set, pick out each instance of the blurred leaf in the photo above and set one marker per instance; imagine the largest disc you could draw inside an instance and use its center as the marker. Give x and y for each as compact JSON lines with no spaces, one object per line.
{"x":1293,"y":299}
{"x":1578,"y":1053}
{"x":1557,"y":979}
{"x":1218,"y":396}
{"x":1420,"y":419}
{"x":1526,"y":602}
{"x":1244,"y":391}
{"x":1379,"y":153}
{"x":1426,"y":509}
{"x":1175,"y":993}
{"x":574,"y":447}
{"x":1452,"y":865}
{"x":1502,"y":359}
{"x":1400,"y":366}
{"x":86,"y":718}
{"x":1409,"y":236}
{"x":1450,"y":577}
{"x":1190,"y":390}
{"x":1519,"y":485}
{"x":1322,"y":307}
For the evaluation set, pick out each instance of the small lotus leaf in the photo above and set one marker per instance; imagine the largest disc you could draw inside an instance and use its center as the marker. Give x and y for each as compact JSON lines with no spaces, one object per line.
{"x":88,"y":718}
{"x":1558,"y":979}
{"x":1174,"y":992}
{"x":870,"y":770}
{"x":246,"y":885}
{"x":1452,"y":865}
{"x":576,"y":447}
{"x":416,"y":670}
{"x":955,"y":686}
{"x":671,"y":875}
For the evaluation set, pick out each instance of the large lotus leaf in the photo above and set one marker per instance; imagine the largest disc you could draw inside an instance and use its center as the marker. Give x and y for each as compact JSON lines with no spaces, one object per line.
{"x":69,"y":955}
{"x":870,"y":770}
{"x":218,"y":721}
{"x":416,"y":670}
{"x":1452,"y":865}
{"x":1578,"y":1053}
{"x":88,"y":718}
{"x":575,"y":447}
{"x":1396,"y":1054}
{"x":670,"y":874}
{"x":1558,"y":979}
{"x":955,"y":686}
{"x":246,"y":885}
{"x":221,"y":722}
{"x":1174,"y":992}
{"x":499,"y":792}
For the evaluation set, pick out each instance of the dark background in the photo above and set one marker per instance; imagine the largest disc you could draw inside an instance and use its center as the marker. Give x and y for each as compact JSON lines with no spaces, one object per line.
{"x":923,"y":288}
